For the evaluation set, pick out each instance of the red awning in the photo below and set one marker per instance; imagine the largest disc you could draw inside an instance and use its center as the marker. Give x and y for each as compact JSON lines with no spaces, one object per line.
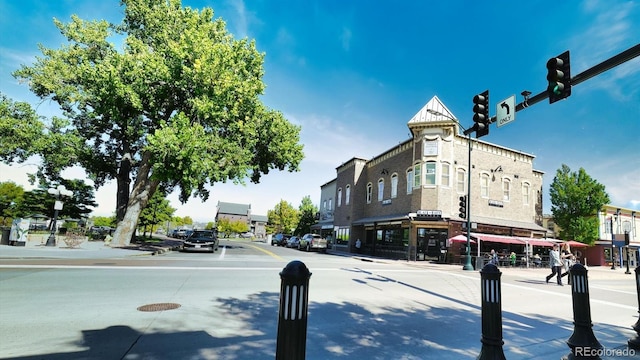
{"x":498,"y":239}
{"x":461,"y":238}
{"x":538,"y":242}
{"x":576,"y":244}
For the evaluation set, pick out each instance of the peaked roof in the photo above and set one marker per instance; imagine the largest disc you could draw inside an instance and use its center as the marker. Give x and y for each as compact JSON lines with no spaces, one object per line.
{"x":433,"y":111}
{"x":234,"y":209}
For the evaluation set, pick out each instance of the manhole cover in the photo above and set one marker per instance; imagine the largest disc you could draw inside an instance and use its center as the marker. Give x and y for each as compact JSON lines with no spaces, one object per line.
{"x":159,"y":307}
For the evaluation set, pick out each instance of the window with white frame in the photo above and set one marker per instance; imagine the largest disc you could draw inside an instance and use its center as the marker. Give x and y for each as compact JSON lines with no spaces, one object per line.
{"x":324,"y":205}
{"x":484,"y":185}
{"x":461,"y":178}
{"x":506,"y":189}
{"x":339,"y":197}
{"x":380,"y":189}
{"x":417,"y":175}
{"x":444,"y":177}
{"x":369,"y":192}
{"x":330,"y":204}
{"x":430,"y":173}
{"x":409,"y":181}
{"x":347,"y":194}
{"x":526,"y":189}
{"x":394,"y":186}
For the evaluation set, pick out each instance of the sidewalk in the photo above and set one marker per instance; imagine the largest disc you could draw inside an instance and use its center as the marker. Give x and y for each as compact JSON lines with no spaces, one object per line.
{"x":87,"y":249}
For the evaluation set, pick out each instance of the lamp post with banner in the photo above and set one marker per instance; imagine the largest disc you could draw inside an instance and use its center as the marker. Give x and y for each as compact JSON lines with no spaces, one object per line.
{"x":58,"y":192}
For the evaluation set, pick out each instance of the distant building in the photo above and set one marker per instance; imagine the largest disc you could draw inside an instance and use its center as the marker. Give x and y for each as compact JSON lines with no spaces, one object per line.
{"x":242,"y":212}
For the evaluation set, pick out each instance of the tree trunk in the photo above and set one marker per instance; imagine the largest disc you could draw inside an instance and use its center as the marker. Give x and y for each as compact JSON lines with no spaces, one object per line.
{"x":124,"y":186}
{"x":143,"y":189}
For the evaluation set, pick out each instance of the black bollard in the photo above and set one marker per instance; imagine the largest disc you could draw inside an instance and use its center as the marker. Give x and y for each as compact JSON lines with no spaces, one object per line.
{"x":634,"y":343}
{"x":583,"y":342}
{"x":491,"y":314}
{"x":294,"y":304}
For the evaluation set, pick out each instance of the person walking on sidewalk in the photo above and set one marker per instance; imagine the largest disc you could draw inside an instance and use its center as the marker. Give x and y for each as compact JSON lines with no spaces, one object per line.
{"x":556,"y":264}
{"x":358,"y":245}
{"x":568,"y":259}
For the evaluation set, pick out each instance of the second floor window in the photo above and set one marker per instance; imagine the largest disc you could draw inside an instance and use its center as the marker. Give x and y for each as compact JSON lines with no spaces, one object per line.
{"x":461,"y":178}
{"x":525,"y":193}
{"x":380,"y":190}
{"x":484,"y":185}
{"x":394,"y":185}
{"x":347,"y":194}
{"x":417,"y":176}
{"x":409,"y":181}
{"x":430,"y":173}
{"x":339,"y":197}
{"x":506,"y":189}
{"x":444,"y":179}
{"x":369,"y":192}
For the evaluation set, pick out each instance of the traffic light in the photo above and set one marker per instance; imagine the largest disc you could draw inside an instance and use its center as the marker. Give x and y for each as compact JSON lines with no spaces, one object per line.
{"x":559,"y":77}
{"x":463,"y":207}
{"x":481,"y":114}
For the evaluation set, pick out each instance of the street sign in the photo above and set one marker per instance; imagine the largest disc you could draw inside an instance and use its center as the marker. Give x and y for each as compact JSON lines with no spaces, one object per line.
{"x":506,"y":111}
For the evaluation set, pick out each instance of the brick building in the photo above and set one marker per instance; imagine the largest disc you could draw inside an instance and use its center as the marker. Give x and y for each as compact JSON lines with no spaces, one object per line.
{"x":404,"y":203}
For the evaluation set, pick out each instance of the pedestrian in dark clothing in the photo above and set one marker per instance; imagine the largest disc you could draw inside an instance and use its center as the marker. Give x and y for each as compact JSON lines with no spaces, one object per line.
{"x":556,"y":264}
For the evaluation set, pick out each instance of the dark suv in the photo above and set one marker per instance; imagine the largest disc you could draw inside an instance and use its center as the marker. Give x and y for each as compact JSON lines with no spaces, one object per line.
{"x":201,"y":240}
{"x":280,"y":239}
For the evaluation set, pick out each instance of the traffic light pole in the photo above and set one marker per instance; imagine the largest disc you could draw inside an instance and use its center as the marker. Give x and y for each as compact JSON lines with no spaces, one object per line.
{"x":467,"y":262}
{"x":608,"y":64}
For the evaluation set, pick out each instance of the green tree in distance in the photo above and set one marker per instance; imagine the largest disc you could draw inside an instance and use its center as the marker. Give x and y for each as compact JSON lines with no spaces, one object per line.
{"x":307,"y":213}
{"x":283,"y":218}
{"x":11,"y":196}
{"x":178,"y":106}
{"x":576,"y":199}
{"x":157,"y":211}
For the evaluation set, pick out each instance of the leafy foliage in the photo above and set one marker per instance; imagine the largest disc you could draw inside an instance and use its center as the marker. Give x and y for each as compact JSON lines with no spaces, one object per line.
{"x":157,"y":211}
{"x":576,"y":199}
{"x":283,"y":218}
{"x":11,"y":196}
{"x":307,"y":213}
{"x":178,"y":106}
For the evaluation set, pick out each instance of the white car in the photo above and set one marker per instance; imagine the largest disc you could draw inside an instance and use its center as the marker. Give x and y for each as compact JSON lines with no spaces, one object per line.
{"x":313,"y":242}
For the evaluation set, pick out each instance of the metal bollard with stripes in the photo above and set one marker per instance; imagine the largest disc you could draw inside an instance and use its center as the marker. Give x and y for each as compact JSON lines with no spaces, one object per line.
{"x":294,"y":304}
{"x":583,"y":342}
{"x":491,"y":314}
{"x":634,"y":343}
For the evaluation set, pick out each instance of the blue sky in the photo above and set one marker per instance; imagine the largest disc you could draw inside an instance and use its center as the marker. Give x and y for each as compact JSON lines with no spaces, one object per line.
{"x":353,"y":73}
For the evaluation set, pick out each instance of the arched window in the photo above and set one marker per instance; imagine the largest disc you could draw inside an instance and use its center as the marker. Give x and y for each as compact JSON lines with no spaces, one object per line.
{"x":339,"y":197}
{"x":369,"y":191}
{"x":430,"y":173}
{"x":526,"y":190}
{"x":394,"y":185}
{"x":444,"y":177}
{"x":506,"y":189}
{"x":484,"y":185}
{"x":380,"y":189}
{"x":409,"y":181}
{"x":461,"y":181}
{"x":347,"y":194}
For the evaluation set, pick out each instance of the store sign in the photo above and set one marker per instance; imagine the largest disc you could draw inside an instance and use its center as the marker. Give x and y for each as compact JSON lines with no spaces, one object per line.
{"x":429,"y":213}
{"x":496,"y":203}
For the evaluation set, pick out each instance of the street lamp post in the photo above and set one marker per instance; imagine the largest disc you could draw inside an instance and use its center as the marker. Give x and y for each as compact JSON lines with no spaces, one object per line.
{"x":58,"y":192}
{"x":467,"y":263}
{"x":626,"y":227}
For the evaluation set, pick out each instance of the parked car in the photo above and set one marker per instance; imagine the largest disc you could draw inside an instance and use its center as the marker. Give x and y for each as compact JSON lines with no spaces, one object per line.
{"x":182,"y":233}
{"x":201,"y":240}
{"x":313,"y":242}
{"x":247,"y":235}
{"x":293,"y":242}
{"x":280,"y":239}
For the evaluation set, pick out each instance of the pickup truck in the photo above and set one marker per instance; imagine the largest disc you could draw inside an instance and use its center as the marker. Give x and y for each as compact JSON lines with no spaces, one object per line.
{"x":313,"y":242}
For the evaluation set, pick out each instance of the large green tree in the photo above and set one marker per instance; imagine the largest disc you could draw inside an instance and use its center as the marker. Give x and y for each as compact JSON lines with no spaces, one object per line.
{"x":178,"y":105}
{"x":283,"y":218}
{"x":307,"y":216}
{"x":576,"y":199}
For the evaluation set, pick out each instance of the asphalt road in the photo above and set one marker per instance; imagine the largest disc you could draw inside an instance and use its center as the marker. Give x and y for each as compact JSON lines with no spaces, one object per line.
{"x":227,"y":307}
